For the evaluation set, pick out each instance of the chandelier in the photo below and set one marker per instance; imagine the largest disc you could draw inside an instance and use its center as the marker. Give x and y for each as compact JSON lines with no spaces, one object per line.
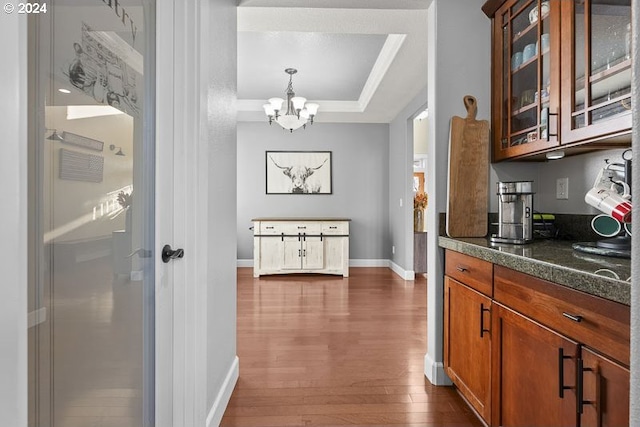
{"x":298,"y":112}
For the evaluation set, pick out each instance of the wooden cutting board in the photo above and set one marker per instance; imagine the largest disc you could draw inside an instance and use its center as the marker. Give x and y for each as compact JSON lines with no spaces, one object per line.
{"x":467,"y":199}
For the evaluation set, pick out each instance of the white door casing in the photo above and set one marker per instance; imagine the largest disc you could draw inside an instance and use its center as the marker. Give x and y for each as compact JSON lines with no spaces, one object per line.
{"x":13,"y":221}
{"x":181,"y":215}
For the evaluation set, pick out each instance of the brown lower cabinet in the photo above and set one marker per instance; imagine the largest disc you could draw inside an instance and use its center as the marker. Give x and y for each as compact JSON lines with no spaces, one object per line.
{"x":527,"y":352}
{"x":605,"y":391}
{"x":533,"y":373}
{"x":467,"y":347}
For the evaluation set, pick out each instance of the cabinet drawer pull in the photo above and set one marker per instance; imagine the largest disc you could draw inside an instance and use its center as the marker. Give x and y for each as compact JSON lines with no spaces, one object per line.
{"x":462,"y":269}
{"x":333,"y":227}
{"x":561,"y":386}
{"x":269,"y":228}
{"x":299,"y":253}
{"x":482,"y":311}
{"x":580,"y":389}
{"x":575,"y":318}
{"x":300,"y":227}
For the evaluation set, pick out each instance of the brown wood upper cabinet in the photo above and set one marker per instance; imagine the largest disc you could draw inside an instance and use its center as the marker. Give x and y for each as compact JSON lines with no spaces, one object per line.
{"x":596,"y":69}
{"x":561,"y":75}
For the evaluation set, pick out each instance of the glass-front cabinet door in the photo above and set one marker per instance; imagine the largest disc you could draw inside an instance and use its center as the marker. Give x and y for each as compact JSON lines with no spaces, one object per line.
{"x":596,"y":67}
{"x":526,"y":72}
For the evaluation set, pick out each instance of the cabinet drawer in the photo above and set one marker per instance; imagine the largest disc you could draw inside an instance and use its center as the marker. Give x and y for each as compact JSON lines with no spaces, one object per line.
{"x":335,"y":228}
{"x":473,"y":272}
{"x":596,"y":322}
{"x":295,"y":228}
{"x":288,"y":228}
{"x":268,"y":228}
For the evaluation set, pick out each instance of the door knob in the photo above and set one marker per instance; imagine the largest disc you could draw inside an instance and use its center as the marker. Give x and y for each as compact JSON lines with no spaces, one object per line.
{"x":169,"y":254}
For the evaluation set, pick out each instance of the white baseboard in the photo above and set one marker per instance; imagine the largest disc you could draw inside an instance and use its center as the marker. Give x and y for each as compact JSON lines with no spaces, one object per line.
{"x":434,"y":371}
{"x":405,"y":274}
{"x":222,"y":399}
{"x":368,"y":263}
{"x":352,"y":263}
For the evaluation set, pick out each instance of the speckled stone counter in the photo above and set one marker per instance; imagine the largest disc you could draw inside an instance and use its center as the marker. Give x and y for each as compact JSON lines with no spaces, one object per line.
{"x":556,"y":262}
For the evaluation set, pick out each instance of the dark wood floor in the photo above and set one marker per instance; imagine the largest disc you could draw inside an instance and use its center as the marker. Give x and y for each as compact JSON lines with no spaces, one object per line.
{"x":328,"y":351}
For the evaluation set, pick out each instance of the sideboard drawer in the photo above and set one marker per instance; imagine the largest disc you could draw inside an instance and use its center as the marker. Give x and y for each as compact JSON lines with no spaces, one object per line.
{"x":269,"y":228}
{"x":473,"y":272}
{"x":295,"y":228}
{"x":335,"y":227}
{"x":288,"y":228}
{"x":598,"y":323}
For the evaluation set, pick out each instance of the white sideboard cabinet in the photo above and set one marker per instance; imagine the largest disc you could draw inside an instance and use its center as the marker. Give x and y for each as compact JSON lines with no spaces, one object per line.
{"x":300,"y":245}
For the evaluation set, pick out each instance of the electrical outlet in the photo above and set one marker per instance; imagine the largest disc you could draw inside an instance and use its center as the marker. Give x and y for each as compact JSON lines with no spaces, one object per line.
{"x":562,"y":188}
{"x":400,"y":202}
{"x":393,"y":249}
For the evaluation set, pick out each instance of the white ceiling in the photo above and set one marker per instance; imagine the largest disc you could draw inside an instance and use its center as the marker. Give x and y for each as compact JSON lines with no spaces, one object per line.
{"x":361,"y":60}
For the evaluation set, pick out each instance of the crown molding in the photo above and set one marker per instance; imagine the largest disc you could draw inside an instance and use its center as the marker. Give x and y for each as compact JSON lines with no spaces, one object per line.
{"x":387,"y":54}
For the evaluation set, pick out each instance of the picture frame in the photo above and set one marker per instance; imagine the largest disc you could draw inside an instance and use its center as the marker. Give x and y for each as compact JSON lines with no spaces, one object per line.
{"x":82,"y":141}
{"x":298,"y":172}
{"x":78,"y":166}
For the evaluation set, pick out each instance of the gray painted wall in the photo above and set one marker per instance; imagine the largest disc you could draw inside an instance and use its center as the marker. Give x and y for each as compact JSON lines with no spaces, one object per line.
{"x":219,"y":129}
{"x":360,"y":182}
{"x":400,"y":166}
{"x":459,"y":60}
{"x":581,"y":171}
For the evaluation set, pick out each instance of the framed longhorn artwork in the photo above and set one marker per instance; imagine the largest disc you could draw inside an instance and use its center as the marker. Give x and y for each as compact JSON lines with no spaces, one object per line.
{"x":298,"y":172}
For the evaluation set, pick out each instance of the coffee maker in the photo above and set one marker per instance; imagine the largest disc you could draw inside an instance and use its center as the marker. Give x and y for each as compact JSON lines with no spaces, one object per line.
{"x":515,"y":224}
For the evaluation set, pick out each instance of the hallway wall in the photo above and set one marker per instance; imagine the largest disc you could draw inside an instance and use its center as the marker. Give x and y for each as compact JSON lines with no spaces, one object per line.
{"x":360,"y":182}
{"x":218,"y":114}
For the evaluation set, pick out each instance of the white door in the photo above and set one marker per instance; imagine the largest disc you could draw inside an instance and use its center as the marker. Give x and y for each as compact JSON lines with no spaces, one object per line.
{"x":102,"y":197}
{"x":28,"y":385}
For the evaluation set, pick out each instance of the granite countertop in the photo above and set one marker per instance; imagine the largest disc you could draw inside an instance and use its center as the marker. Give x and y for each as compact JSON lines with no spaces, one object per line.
{"x":555,"y":261}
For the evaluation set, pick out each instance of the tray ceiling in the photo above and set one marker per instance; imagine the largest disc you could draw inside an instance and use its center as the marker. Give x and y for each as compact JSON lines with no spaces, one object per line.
{"x":360,"y":65}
